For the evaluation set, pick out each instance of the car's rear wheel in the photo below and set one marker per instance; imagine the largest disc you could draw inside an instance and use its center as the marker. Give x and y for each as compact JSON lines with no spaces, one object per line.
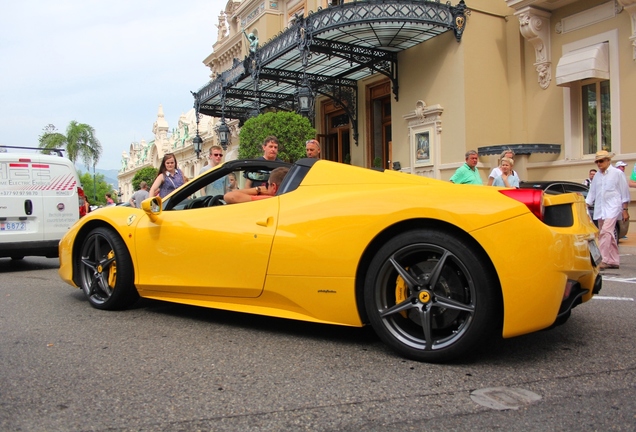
{"x":106,"y":271}
{"x":430,"y":297}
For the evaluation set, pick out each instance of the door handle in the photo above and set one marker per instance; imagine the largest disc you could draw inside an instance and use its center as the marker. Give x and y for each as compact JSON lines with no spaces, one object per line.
{"x":28,"y":207}
{"x":267,"y":222}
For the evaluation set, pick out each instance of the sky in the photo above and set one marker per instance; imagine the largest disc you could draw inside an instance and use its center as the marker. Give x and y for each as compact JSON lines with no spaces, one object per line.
{"x":109,"y":64}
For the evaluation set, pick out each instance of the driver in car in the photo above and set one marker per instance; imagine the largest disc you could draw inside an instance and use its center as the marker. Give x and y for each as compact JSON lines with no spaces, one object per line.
{"x":267,"y":190}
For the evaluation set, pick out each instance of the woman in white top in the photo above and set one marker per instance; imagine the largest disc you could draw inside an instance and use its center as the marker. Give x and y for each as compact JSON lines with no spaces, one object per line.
{"x":496,"y":171}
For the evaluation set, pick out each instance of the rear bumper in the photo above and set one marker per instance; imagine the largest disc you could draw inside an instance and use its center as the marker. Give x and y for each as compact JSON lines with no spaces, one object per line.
{"x":544,"y":271}
{"x":46,"y":248}
{"x":575,"y":293}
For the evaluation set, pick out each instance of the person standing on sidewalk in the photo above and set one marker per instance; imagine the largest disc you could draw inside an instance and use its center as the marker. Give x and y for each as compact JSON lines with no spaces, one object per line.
{"x":140,"y":195}
{"x":468,"y":173}
{"x":609,"y":194}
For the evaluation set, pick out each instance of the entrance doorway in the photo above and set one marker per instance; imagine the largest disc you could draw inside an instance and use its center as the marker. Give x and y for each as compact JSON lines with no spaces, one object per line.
{"x":380,"y":132}
{"x":336,"y":142}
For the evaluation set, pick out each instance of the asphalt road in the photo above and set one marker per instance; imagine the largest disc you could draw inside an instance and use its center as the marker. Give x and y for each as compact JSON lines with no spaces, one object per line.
{"x":163,"y":367}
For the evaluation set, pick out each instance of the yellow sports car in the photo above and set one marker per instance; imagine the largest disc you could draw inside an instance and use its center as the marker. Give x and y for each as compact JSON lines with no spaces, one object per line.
{"x":435,"y":268}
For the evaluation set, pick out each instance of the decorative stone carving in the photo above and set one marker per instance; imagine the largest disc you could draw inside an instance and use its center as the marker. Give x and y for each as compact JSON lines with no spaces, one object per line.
{"x":534,"y":25}
{"x":425,"y":115}
{"x":419,"y":109}
{"x":630,"y":8}
{"x":222,"y":26}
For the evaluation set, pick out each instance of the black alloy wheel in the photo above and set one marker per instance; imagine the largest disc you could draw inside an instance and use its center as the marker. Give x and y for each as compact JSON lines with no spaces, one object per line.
{"x":106,"y":271}
{"x":430,"y":297}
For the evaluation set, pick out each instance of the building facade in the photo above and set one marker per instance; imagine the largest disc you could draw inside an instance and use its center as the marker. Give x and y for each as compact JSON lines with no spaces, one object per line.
{"x":177,"y":140}
{"x":413,"y":85}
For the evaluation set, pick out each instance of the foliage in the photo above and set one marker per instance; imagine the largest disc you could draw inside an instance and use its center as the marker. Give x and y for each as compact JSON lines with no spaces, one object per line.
{"x":147,"y":174}
{"x":377,"y":162}
{"x":291,"y":129}
{"x":80,"y":142}
{"x":89,"y":189}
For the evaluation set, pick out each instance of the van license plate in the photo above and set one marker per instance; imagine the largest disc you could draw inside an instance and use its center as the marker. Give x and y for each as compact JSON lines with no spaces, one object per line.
{"x":596,"y":253}
{"x":12,"y":226}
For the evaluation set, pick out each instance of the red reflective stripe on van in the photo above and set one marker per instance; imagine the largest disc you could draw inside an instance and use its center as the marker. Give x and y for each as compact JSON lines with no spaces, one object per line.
{"x":35,"y":165}
{"x":62,"y":183}
{"x":18,"y":165}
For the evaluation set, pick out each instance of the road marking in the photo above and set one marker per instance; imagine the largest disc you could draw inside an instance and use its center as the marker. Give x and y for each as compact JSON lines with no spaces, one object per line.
{"x":619,"y":279}
{"x":504,"y":398}
{"x":598,"y":297}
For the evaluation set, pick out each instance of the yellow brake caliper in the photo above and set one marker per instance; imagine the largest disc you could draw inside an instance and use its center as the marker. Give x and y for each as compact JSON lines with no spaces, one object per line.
{"x":401,"y":292}
{"x":112,"y":271}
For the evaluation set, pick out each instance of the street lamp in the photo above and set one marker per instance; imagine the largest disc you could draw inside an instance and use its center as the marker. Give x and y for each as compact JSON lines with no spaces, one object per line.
{"x":224,"y":134}
{"x":304,"y":99}
{"x":197,"y":142}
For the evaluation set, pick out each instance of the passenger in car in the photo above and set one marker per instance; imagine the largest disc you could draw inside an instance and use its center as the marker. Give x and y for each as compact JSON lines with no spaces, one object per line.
{"x":268,"y":190}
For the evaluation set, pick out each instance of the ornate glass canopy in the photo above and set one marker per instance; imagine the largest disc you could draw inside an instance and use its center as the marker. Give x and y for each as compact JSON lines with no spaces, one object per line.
{"x":328,"y":51}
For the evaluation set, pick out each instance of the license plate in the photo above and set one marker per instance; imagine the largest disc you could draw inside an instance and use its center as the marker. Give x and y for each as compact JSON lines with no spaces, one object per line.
{"x":595,"y":252}
{"x":12,"y":226}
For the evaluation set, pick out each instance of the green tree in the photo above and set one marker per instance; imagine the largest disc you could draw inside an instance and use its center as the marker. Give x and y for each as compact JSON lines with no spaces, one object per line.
{"x":95,"y":197}
{"x":80,"y":142}
{"x":147,"y":174}
{"x":291,"y":129}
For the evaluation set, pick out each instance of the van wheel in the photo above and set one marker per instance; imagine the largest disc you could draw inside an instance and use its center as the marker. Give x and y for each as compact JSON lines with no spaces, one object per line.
{"x":106,"y":271}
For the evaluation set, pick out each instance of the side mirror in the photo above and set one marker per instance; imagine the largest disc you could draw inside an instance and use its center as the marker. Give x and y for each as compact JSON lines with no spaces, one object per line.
{"x":152,"y":207}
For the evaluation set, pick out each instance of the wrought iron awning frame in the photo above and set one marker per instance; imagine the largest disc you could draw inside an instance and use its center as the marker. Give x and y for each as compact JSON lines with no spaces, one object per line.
{"x":236,"y":92}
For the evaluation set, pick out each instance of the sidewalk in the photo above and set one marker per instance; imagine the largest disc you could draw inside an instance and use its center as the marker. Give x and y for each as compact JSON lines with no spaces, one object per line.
{"x":628,"y":245}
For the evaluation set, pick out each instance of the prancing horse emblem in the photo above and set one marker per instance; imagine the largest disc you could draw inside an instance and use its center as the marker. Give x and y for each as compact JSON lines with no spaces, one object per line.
{"x":425,"y":296}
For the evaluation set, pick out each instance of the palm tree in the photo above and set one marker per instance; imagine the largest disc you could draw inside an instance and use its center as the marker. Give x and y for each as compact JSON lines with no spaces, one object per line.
{"x":79,"y":141}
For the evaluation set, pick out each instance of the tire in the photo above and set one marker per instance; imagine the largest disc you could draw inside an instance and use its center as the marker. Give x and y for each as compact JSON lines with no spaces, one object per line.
{"x":106,"y":271}
{"x":430,"y":297}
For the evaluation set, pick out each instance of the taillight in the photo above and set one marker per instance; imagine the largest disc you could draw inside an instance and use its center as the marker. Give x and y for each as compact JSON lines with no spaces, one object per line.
{"x":532,"y":198}
{"x":80,"y":196}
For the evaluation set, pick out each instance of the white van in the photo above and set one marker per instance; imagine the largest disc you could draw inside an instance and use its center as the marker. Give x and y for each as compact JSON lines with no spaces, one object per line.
{"x":39,"y":201}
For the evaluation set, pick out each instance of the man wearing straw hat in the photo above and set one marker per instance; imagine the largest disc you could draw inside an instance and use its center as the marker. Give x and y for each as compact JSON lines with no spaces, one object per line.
{"x":609,"y":194}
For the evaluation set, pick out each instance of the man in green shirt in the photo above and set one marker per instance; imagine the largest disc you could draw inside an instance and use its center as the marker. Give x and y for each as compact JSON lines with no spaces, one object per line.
{"x":468,"y":173}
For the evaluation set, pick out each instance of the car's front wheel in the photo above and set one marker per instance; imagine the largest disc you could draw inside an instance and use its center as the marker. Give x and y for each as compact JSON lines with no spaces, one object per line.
{"x":431,"y":297}
{"x":106,"y":271}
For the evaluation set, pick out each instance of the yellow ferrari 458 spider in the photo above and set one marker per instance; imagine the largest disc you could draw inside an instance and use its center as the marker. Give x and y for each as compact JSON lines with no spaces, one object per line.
{"x":435,"y":268}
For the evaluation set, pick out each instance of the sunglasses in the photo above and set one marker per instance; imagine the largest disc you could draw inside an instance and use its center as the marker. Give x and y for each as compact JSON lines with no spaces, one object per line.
{"x":217,"y":154}
{"x":601,"y":161}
